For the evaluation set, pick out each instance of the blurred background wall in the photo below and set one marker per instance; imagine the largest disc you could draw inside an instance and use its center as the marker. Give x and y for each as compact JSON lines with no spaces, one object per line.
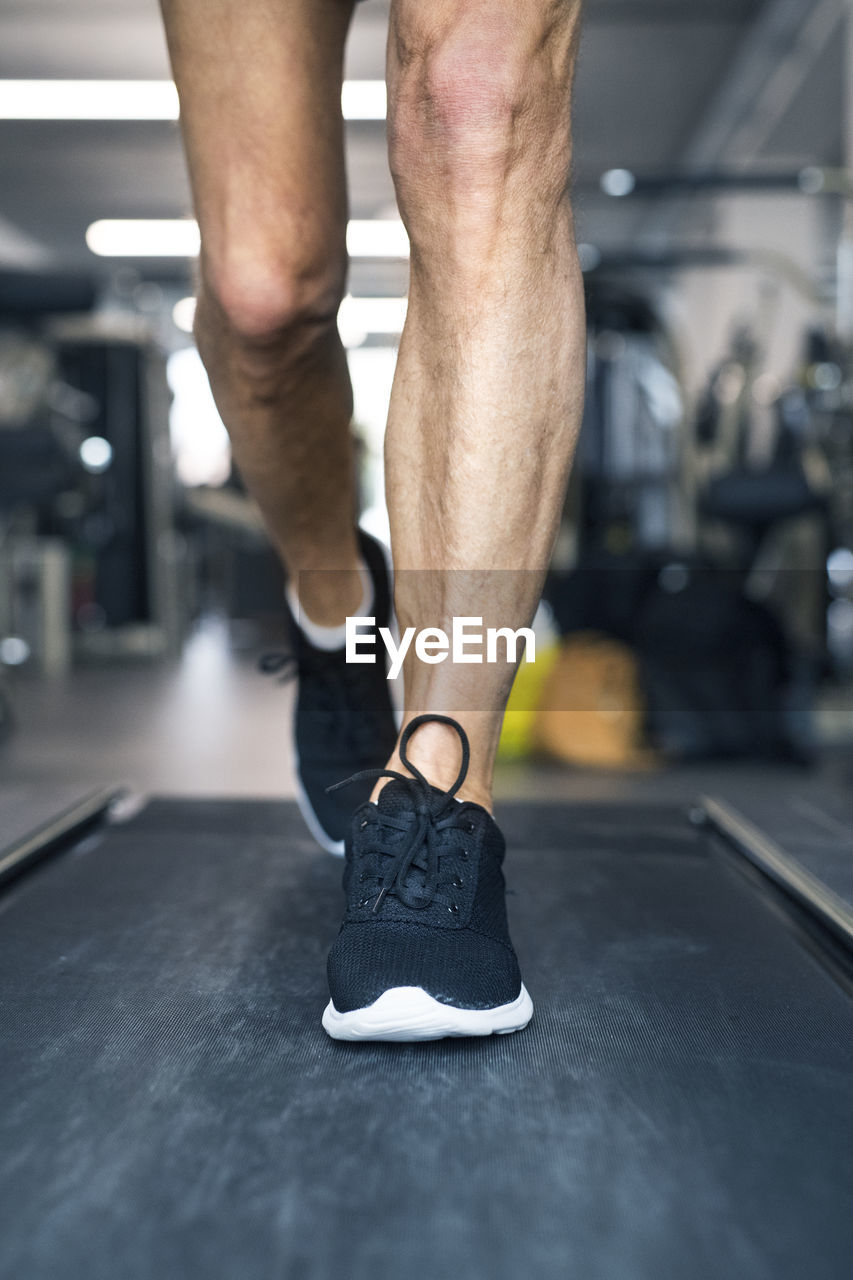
{"x":703,"y":578}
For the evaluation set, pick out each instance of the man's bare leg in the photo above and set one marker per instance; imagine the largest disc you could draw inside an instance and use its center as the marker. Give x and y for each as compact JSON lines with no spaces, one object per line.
{"x":488,"y":392}
{"x":260,"y":84}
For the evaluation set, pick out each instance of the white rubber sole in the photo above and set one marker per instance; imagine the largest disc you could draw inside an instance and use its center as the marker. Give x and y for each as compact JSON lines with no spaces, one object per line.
{"x":309,"y":817}
{"x":410,"y":1013}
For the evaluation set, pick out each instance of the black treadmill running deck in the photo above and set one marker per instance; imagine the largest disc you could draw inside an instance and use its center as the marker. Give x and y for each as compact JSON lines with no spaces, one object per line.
{"x":681,"y":1105}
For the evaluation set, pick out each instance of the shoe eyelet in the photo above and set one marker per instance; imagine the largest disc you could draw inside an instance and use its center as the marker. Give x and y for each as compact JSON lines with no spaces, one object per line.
{"x":469,"y":827}
{"x":453,"y":909}
{"x":457,"y":882}
{"x":363,"y":824}
{"x":464,"y":855}
{"x":364,"y":902}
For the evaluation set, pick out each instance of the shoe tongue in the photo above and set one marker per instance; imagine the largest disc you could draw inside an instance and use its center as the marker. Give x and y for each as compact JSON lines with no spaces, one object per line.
{"x":398,"y":797}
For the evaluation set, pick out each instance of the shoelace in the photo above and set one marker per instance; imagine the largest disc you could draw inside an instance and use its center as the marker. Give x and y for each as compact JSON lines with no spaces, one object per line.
{"x":422,"y":849}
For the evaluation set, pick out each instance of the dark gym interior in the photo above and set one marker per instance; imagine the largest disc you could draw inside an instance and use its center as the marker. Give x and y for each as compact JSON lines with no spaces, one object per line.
{"x":675,"y":776}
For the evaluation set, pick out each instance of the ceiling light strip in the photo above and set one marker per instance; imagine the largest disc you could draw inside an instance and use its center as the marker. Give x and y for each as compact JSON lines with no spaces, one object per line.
{"x":142,"y":100}
{"x":179,"y":238}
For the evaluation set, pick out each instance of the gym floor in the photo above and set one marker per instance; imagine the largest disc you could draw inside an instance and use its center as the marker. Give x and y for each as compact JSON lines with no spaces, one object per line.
{"x":680,"y":1105}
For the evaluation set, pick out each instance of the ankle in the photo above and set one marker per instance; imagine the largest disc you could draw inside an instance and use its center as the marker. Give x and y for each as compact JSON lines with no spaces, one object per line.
{"x":327,"y":597}
{"x":469,"y":793}
{"x":435,"y":751}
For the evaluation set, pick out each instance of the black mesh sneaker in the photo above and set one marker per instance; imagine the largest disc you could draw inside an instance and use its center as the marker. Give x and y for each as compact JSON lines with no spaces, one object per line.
{"x":424,"y":949}
{"x":343,"y":720}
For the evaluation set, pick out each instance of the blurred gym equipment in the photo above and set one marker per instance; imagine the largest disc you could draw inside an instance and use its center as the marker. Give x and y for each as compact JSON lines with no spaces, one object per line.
{"x":86,"y":480}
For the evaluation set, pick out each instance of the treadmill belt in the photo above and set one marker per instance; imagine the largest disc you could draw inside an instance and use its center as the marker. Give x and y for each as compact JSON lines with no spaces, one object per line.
{"x":681,"y":1105}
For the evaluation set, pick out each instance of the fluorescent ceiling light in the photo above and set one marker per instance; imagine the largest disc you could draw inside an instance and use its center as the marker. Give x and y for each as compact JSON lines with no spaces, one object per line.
{"x":179,"y":238}
{"x":144,"y":238}
{"x":88,"y":100}
{"x":378,"y":238}
{"x":141,"y":100}
{"x":357,"y":317}
{"x":364,"y":100}
{"x":373,"y":315}
{"x":183,"y":314}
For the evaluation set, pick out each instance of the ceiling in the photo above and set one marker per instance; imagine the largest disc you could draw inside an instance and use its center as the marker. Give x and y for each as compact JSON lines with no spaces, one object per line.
{"x":652,"y":74}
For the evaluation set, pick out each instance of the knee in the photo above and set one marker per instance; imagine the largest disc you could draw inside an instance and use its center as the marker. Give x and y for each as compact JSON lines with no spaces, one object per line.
{"x":452,"y":109}
{"x":473,"y":103}
{"x":266,"y":301}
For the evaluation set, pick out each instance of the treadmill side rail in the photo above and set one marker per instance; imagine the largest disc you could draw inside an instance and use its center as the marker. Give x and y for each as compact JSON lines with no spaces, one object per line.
{"x":780,"y":866}
{"x":51,"y":836}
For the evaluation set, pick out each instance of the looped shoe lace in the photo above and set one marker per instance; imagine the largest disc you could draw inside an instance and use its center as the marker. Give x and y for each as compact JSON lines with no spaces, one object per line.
{"x":422,"y":850}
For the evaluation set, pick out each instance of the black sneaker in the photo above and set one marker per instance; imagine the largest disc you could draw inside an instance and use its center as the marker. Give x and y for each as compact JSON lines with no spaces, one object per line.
{"x":343,"y":720}
{"x":424,"y":950}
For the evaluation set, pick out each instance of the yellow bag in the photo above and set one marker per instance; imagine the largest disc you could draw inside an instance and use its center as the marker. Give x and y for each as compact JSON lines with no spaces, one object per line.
{"x":524,"y":701}
{"x":591,"y":712}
